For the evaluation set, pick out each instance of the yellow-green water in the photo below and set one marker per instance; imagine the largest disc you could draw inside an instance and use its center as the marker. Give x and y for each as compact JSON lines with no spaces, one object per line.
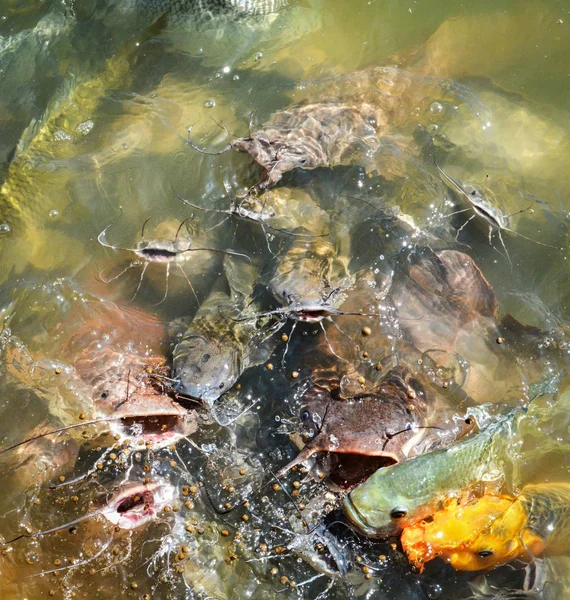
{"x":94,"y":112}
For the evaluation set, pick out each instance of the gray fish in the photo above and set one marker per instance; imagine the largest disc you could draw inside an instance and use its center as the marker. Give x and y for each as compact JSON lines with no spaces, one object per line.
{"x":309,"y":280}
{"x":224,"y":338}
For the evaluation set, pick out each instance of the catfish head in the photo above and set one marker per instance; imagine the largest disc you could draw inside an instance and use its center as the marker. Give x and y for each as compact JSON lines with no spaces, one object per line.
{"x":386,"y":423}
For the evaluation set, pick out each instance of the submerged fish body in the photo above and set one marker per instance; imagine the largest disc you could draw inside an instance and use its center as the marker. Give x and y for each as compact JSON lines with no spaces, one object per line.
{"x":403,"y":494}
{"x":205,"y":9}
{"x":537,"y":522}
{"x":311,"y":136}
{"x":224,"y":338}
{"x":309,"y":280}
{"x":448,"y":310}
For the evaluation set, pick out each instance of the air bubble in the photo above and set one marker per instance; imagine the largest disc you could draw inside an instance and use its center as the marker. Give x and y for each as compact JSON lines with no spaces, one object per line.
{"x":4,"y":228}
{"x":209,"y":104}
{"x":436,"y":108}
{"x":53,"y":214}
{"x":258,"y":56}
{"x":434,"y":591}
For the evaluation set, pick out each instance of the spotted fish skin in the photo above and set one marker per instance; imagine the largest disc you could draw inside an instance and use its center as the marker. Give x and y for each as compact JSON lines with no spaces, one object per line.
{"x":211,"y":8}
{"x":311,"y":136}
{"x":224,"y":338}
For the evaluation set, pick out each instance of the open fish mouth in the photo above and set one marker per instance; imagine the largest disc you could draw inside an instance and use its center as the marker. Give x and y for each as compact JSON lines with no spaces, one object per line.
{"x":160,"y":430}
{"x":159,"y":425}
{"x":311,"y":314}
{"x":137,"y":504}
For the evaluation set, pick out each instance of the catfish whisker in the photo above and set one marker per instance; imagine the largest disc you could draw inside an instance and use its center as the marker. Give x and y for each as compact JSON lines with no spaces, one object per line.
{"x":287,"y":344}
{"x":165,"y":284}
{"x":60,"y":430}
{"x":58,"y":528}
{"x":329,"y":346}
{"x":189,"y":283}
{"x":104,"y":280}
{"x":201,"y":150}
{"x":140,"y":281}
{"x":68,"y":567}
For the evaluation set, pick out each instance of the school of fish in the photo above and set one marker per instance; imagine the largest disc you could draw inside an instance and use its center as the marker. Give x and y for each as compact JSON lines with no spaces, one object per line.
{"x":305,"y":385}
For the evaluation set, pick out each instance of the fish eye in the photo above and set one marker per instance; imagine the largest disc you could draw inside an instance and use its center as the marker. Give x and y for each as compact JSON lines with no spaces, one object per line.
{"x":303,"y":161}
{"x":485,"y":553}
{"x":305,"y":415}
{"x":399,"y":512}
{"x":104,"y":394}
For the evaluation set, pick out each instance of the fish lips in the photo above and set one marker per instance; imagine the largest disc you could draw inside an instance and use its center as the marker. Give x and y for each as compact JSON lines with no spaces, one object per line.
{"x":362,"y":524}
{"x":137,"y":504}
{"x":160,"y":421}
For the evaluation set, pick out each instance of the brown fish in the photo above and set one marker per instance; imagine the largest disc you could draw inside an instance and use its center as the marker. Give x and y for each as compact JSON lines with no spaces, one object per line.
{"x":112,"y":368}
{"x":447,"y":310}
{"x":383,"y":424}
{"x":310,"y":136}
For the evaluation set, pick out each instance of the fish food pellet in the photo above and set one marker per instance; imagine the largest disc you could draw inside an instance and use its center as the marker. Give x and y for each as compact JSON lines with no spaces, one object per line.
{"x":284,"y":580}
{"x":225,"y":532}
{"x":411,"y":394}
{"x":284,"y":337}
{"x":361,"y":380}
{"x":295,"y":374}
{"x":276,"y":487}
{"x":500,"y":340}
{"x":378,"y":366}
{"x":366,"y":331}
{"x":269,"y":367}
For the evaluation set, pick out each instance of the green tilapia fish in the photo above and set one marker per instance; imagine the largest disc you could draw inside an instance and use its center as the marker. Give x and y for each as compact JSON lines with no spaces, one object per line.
{"x":400,"y":495}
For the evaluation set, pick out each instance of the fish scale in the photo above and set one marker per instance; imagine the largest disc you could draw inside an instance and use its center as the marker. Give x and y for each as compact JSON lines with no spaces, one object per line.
{"x":418,"y":485}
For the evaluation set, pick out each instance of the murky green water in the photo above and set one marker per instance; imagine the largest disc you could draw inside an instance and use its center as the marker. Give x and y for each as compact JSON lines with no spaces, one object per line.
{"x":95,"y":105}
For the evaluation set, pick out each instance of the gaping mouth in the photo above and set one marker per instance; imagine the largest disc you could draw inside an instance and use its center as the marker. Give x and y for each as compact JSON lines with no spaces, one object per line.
{"x":347,"y":470}
{"x":135,"y":505}
{"x":160,"y":430}
{"x":310,"y":315}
